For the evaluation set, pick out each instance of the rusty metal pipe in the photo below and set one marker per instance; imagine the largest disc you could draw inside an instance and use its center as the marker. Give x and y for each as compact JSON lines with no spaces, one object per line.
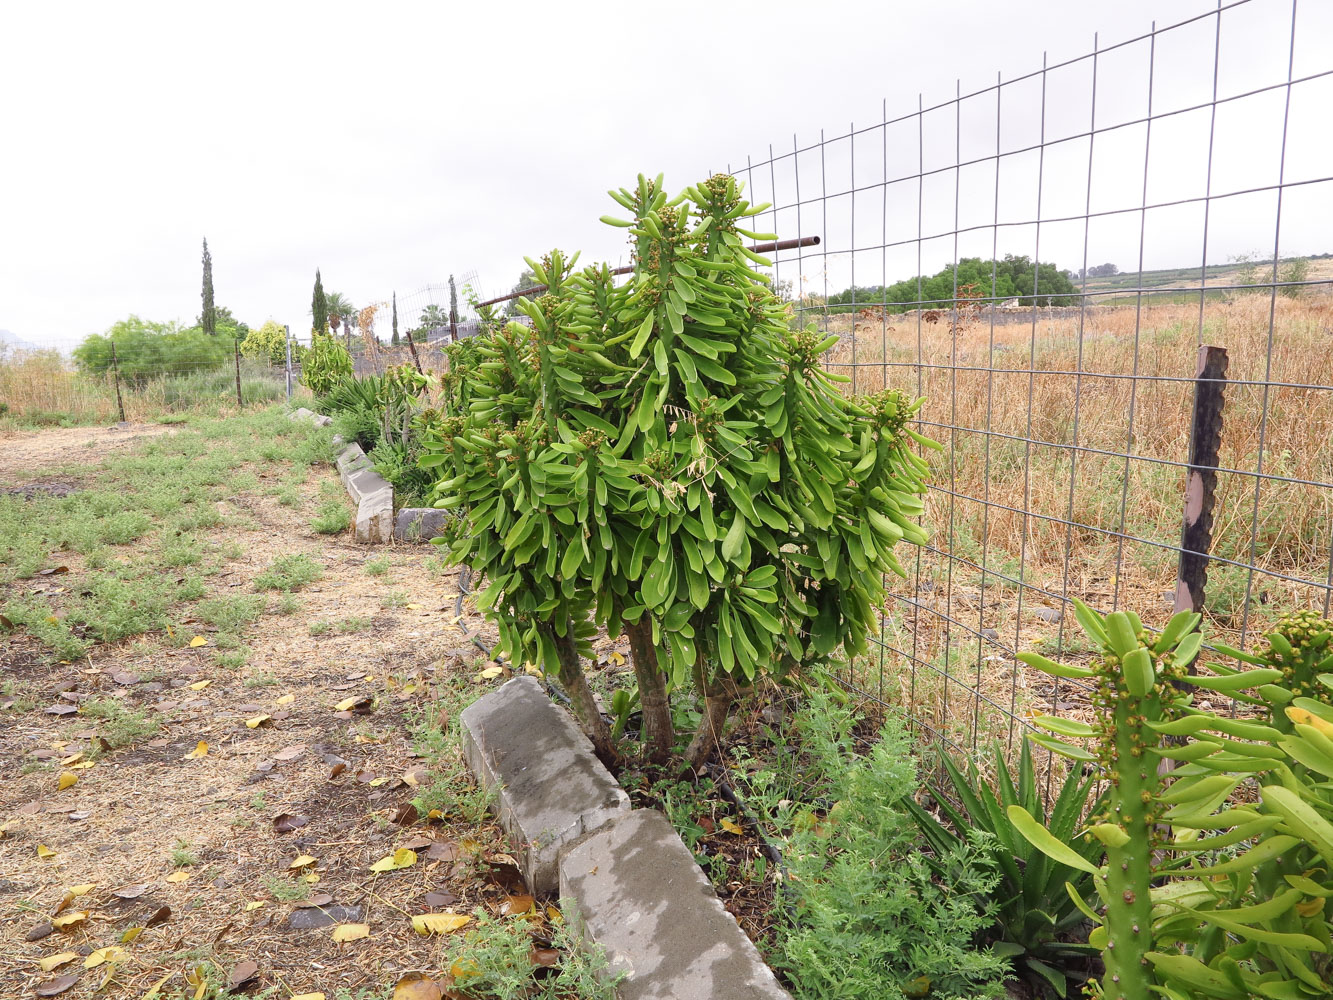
{"x":803,"y":241}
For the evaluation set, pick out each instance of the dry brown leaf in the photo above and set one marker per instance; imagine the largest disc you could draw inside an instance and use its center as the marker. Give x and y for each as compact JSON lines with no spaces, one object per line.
{"x":130,"y":891}
{"x":290,"y":753}
{"x":545,"y":957}
{"x":439,"y":923}
{"x":54,"y":962}
{"x":337,"y":769}
{"x":242,"y":973}
{"x":287,"y":822}
{"x":158,"y":916}
{"x":57,"y":986}
{"x":515,"y":905}
{"x":344,"y":933}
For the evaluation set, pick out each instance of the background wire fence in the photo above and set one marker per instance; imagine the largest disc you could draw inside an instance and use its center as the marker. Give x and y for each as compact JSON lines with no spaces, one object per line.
{"x":1065,"y":409}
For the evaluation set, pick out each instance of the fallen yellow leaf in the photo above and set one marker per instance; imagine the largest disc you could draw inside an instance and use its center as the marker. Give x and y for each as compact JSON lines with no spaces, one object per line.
{"x":308,"y":996}
{"x":81,"y":890}
{"x":312,"y":879}
{"x":200,"y":751}
{"x":199,"y":685}
{"x":198,"y":641}
{"x":56,"y":961}
{"x":255,"y":904}
{"x":411,"y":778}
{"x":413,"y":607}
{"x":376,"y":782}
{"x":401,"y":858}
{"x":67,"y":780}
{"x":83,"y":765}
{"x":67,"y":920}
{"x":554,"y":915}
{"x":531,"y":668}
{"x":256,"y":722}
{"x":114,"y":953}
{"x":45,"y":852}
{"x":617,"y":659}
{"x":130,"y":934}
{"x":732,"y":827}
{"x":287,"y":699}
{"x":178,"y":876}
{"x":439,"y":923}
{"x":490,"y":673}
{"x":73,"y":758}
{"x":156,"y":988}
{"x":304,"y":861}
{"x":350,"y":932}
{"x":346,"y":703}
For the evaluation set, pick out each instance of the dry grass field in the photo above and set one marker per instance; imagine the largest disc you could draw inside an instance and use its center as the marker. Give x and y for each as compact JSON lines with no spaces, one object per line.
{"x":1037,"y":416}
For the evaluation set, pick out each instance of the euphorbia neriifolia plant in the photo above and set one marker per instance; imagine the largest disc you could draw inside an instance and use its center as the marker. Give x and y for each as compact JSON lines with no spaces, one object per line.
{"x":1218,"y":845}
{"x":666,"y":457}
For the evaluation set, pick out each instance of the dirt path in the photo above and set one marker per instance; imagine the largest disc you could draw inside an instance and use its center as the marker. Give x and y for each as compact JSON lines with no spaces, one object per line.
{"x":28,"y":452}
{"x":189,"y":845}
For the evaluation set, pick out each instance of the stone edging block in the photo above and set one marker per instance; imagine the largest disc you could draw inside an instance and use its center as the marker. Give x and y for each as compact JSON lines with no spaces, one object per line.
{"x":420,"y":524}
{"x":642,"y":898}
{"x":549,"y":788}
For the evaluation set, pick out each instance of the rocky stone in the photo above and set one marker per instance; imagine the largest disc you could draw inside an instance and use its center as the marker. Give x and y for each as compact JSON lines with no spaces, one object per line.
{"x":549,"y":788}
{"x":310,"y":917}
{"x":301,"y":413}
{"x":641,"y":897}
{"x":1051,"y":615}
{"x":420,"y":524}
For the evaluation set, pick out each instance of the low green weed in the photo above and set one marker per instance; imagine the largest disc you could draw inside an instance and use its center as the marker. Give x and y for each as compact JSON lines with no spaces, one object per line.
{"x":121,"y":726}
{"x":331,"y":518}
{"x":289,"y":573}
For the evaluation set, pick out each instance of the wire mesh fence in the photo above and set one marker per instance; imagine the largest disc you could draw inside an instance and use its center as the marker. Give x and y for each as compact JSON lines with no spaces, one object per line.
{"x":961,"y":259}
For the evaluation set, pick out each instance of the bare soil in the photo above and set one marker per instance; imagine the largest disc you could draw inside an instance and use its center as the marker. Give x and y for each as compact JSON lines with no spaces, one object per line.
{"x":24,"y":452}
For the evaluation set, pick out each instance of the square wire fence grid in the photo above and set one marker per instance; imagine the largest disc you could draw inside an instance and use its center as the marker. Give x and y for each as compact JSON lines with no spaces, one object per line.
{"x":1159,"y":182}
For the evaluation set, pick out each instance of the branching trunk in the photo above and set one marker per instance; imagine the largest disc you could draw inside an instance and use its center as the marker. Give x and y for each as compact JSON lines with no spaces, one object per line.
{"x":718,"y":697}
{"x":574,"y":682}
{"x":659,"y":736}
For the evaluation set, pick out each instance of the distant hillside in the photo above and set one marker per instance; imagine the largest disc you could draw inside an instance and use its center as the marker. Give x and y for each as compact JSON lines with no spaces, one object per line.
{"x":15,"y":342}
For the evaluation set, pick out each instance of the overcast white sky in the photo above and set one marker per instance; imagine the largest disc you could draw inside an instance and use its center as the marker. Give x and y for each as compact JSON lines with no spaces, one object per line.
{"x":393,"y":144}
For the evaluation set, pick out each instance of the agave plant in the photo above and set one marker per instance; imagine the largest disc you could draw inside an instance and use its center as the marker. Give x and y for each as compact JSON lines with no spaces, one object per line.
{"x":1037,"y":922}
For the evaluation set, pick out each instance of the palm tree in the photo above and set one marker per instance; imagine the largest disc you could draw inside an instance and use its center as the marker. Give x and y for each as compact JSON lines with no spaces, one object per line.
{"x":340,"y":311}
{"x":433,"y":317}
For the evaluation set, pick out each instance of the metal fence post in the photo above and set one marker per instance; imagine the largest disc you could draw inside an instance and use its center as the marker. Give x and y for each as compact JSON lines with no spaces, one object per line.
{"x":287,"y":339}
{"x":1196,"y":533}
{"x":236,"y":347}
{"x":115,"y":369}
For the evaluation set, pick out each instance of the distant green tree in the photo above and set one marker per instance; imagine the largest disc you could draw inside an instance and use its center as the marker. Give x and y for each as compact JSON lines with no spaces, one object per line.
{"x":341,"y":314}
{"x":395,"y":319}
{"x":319,"y":306}
{"x":527,"y":279}
{"x":267,"y":343}
{"x":208,"y":319}
{"x":145,"y":349}
{"x":1012,"y":277}
{"x":433,"y":318}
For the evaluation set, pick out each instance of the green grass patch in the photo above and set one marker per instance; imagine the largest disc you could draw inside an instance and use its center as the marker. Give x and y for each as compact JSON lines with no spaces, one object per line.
{"x":289,"y":573}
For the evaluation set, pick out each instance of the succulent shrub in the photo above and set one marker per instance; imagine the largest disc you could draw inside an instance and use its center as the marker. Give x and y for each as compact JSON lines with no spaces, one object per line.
{"x":667,"y":457}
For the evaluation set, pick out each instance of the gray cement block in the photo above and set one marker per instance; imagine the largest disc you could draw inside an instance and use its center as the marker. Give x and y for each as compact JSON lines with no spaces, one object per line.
{"x":420,"y":524}
{"x":374,"y":518}
{"x":549,"y":787}
{"x":300,"y":413}
{"x":364,"y":483}
{"x":322,"y":421}
{"x":642,"y":898}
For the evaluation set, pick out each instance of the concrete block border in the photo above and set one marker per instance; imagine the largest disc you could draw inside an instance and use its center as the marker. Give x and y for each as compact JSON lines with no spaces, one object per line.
{"x":371,"y":492}
{"x":633,"y":885}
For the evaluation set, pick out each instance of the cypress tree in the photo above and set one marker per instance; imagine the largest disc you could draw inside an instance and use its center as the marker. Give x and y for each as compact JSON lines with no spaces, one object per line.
{"x":209,"y":319}
{"x":453,"y":302}
{"x":319,"y":308}
{"x":395,"y":319}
